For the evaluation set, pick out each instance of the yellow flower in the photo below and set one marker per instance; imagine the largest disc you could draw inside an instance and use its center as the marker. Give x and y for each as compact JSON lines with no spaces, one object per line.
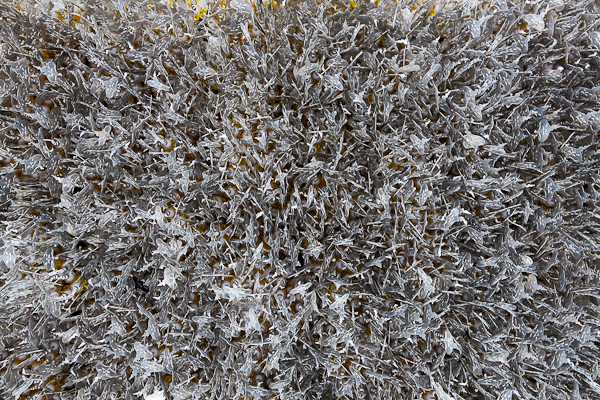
{"x":198,"y":7}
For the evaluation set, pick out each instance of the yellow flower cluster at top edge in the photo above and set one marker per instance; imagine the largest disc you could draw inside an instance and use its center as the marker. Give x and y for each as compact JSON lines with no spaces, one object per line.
{"x":200,"y":7}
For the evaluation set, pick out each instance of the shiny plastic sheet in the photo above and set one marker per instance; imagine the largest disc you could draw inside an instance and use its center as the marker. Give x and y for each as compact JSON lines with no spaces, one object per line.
{"x":299,"y":200}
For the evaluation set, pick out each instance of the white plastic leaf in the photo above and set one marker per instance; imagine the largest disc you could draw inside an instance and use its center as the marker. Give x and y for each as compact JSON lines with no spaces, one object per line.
{"x":471,"y":141}
{"x":450,"y":344}
{"x":157,"y":395}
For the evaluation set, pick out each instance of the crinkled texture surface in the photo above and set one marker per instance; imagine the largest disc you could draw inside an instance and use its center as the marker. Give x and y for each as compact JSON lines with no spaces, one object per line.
{"x":299,"y":200}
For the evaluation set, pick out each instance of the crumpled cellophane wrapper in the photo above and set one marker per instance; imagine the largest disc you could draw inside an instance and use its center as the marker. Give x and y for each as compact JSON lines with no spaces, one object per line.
{"x":299,"y":200}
